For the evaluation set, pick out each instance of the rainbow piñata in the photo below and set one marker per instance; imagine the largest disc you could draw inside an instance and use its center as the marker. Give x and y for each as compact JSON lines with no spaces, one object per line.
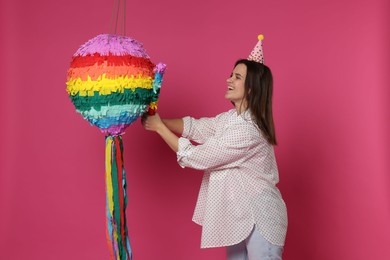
{"x":112,"y":82}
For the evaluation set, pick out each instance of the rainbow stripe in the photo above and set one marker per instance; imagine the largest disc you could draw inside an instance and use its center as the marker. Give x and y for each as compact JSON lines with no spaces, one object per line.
{"x":111,"y":82}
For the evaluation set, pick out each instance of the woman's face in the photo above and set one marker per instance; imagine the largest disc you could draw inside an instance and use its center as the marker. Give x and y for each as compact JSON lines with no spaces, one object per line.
{"x":236,"y":87}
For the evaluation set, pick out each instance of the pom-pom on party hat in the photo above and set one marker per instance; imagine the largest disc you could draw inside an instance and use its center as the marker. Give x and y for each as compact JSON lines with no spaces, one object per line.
{"x":257,"y":52}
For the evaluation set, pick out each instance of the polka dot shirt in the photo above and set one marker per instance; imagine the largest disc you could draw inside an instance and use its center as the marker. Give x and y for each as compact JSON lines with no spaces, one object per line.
{"x":238,"y":189}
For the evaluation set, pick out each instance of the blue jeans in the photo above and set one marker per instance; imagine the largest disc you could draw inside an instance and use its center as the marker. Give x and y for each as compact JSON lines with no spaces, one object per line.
{"x":255,"y":247}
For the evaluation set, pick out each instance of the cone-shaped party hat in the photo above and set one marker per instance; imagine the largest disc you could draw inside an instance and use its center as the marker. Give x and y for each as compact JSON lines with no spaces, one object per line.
{"x":257,"y":52}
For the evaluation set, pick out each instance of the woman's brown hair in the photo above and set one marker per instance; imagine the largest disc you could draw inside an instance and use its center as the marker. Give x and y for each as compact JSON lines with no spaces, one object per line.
{"x":258,"y":94}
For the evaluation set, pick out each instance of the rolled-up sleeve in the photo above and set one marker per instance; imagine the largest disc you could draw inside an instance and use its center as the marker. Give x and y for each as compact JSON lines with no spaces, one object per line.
{"x":184,"y":150}
{"x":199,"y":130}
{"x":216,"y":152}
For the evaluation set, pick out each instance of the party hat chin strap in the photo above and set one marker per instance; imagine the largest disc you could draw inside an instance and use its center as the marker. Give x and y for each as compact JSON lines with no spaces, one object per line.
{"x":117,"y":238}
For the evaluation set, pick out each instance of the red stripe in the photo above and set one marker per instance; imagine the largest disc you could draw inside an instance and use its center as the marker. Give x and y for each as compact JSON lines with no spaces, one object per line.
{"x":90,"y":60}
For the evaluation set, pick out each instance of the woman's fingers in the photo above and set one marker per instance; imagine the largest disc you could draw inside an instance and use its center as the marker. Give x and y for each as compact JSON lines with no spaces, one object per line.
{"x":151,"y":122}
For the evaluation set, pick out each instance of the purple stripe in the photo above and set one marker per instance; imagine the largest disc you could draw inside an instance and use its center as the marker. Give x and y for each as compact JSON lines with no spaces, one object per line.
{"x":117,"y":45}
{"x":115,"y":129}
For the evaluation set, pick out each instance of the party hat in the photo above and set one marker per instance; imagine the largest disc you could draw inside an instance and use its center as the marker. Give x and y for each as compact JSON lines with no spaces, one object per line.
{"x":257,"y":52}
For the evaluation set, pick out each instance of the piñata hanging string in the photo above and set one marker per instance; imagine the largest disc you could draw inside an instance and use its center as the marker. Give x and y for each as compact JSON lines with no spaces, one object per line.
{"x":118,"y":14}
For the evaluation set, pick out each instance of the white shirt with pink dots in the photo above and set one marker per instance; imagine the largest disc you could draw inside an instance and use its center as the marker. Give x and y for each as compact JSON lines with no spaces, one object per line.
{"x":238,"y":189}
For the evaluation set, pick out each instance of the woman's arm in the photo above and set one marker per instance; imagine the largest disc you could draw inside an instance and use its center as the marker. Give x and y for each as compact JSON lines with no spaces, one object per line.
{"x":220,"y":152}
{"x":175,"y":125}
{"x":155,"y":124}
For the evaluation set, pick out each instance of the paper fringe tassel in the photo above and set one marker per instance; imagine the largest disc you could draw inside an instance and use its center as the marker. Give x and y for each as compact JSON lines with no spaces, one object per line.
{"x":117,"y":235}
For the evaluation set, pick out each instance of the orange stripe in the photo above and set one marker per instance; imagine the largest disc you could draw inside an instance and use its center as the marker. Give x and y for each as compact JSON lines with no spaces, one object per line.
{"x":111,"y":72}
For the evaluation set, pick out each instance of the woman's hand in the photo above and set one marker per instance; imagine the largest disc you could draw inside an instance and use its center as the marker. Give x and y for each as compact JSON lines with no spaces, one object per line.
{"x":152,"y":123}
{"x":155,"y":124}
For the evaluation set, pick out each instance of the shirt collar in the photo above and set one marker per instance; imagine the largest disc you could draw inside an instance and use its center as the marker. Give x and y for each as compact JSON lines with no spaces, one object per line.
{"x":246,"y":115}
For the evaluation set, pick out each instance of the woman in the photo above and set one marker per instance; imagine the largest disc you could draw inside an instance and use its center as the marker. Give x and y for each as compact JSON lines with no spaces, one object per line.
{"x":239,"y":205}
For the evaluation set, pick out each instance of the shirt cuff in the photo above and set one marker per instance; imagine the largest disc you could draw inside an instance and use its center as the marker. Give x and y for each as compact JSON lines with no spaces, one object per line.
{"x":186,"y":126}
{"x":184,"y":150}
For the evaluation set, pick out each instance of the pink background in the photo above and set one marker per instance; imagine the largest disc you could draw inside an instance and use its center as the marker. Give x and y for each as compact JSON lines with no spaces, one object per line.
{"x":330,"y":61}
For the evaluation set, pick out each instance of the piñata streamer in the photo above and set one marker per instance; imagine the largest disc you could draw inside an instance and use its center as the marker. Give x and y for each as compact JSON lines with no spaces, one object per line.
{"x":117,"y":234}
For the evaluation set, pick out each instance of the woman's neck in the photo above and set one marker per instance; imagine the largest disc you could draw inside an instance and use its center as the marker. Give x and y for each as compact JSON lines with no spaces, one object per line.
{"x":241,"y":107}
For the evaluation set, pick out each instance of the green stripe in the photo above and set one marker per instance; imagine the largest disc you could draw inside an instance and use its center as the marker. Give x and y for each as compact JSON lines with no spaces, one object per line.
{"x":140,"y":96}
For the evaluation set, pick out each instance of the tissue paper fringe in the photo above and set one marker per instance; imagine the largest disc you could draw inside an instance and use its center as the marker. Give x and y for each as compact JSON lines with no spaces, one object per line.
{"x":112,"y":110}
{"x":114,"y":129}
{"x":105,"y":122}
{"x":111,"y":72}
{"x":97,"y":101}
{"x":116,"y":44}
{"x":111,"y":60}
{"x":106,"y":86}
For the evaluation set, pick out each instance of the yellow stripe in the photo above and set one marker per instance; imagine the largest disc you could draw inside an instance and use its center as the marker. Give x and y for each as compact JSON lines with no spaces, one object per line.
{"x":108,"y":176}
{"x":106,"y":86}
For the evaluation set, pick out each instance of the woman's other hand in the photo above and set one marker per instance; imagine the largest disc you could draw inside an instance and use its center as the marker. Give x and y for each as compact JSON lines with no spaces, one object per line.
{"x":152,"y":123}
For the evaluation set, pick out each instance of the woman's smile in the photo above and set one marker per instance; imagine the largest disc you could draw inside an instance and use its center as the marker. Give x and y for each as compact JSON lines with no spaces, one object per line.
{"x":236,"y":87}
